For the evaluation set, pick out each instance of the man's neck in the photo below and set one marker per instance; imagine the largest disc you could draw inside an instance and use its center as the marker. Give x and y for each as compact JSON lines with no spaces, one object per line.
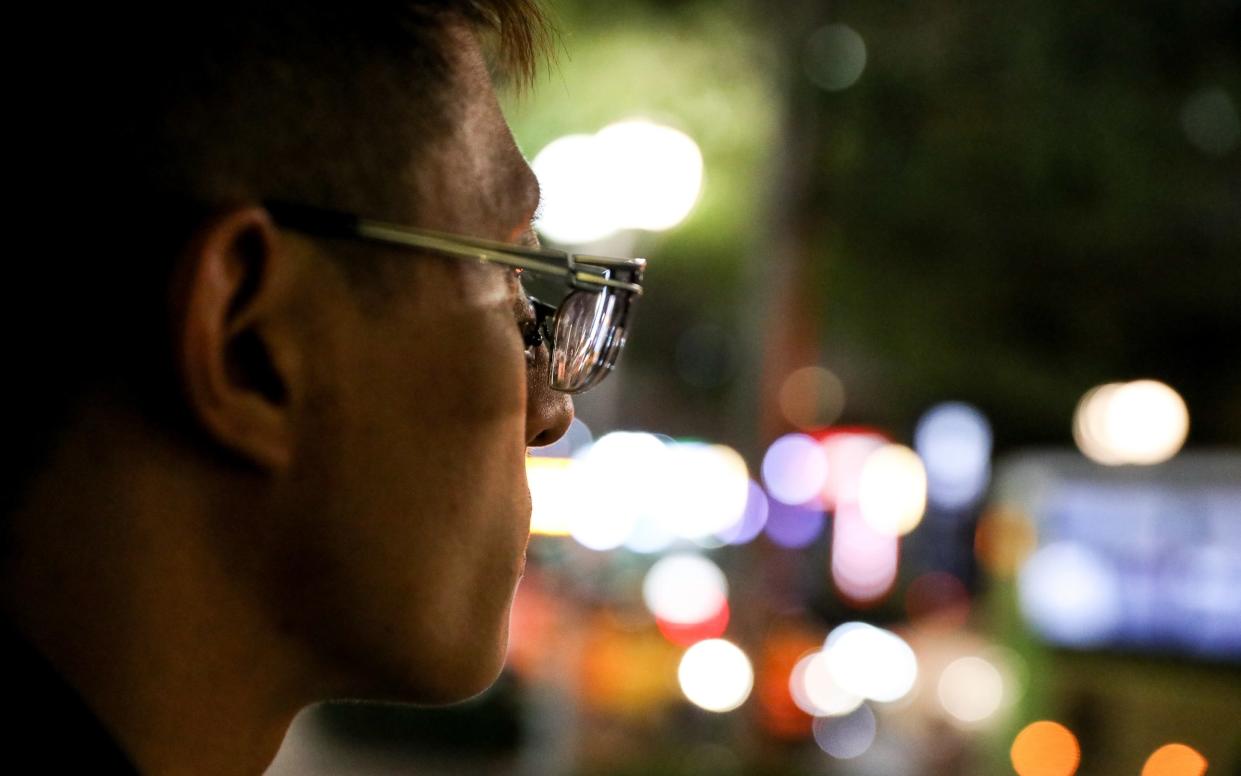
{"x":113,"y":577}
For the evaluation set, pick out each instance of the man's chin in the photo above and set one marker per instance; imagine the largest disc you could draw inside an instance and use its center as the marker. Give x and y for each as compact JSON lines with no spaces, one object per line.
{"x":466,"y":673}
{"x":447,"y":690}
{"x":460,"y":687}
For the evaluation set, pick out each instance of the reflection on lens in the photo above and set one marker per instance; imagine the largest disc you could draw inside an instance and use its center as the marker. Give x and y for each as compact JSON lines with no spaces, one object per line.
{"x":589,"y":331}
{"x":580,"y":332}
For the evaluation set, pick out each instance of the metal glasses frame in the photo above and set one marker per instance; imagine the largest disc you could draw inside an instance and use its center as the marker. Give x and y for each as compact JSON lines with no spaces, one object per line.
{"x":579,"y":272}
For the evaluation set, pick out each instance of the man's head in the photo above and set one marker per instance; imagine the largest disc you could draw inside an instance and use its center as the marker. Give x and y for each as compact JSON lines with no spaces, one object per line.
{"x":349,"y":421}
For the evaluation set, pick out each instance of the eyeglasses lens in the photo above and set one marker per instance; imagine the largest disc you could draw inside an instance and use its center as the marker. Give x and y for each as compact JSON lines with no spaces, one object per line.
{"x":588,"y":336}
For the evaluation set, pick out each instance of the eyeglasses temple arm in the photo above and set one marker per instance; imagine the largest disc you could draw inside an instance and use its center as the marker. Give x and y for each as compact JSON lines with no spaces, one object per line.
{"x":340,"y":225}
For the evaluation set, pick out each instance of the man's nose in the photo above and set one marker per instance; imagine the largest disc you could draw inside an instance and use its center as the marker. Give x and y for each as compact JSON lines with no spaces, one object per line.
{"x":548,"y":412}
{"x":548,"y":415}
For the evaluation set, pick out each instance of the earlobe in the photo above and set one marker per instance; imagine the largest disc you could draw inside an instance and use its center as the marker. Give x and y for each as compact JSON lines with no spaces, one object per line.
{"x":228,"y":301}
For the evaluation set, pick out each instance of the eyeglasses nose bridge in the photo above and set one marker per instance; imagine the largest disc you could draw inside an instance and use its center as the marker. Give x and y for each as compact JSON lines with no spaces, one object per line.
{"x":540,"y":329}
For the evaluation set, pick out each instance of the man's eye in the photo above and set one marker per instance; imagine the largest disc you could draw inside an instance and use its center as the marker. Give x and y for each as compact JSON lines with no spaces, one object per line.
{"x":527,"y":322}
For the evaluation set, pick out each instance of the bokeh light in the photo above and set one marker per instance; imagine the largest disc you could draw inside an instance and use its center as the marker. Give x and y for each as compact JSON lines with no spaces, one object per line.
{"x":649,"y":535}
{"x":794,"y":527}
{"x":971,"y":689}
{"x":1003,"y":539}
{"x":553,"y":500}
{"x":892,"y":490}
{"x":938,"y":596}
{"x":684,"y":589}
{"x":795,"y":469}
{"x":835,"y":57}
{"x":779,"y":712}
{"x":1175,"y":760}
{"x":1090,"y":425}
{"x":1147,"y":422}
{"x":622,"y":671}
{"x":655,"y":173}
{"x":811,"y":396}
{"x":752,"y":520}
{"x":864,"y":562}
{"x":1014,"y":672}
{"x":847,"y":736}
{"x":688,"y":634}
{"x":870,"y":662}
{"x":977,"y":561}
{"x":716,"y":675}
{"x":954,"y":441}
{"x":1045,"y":748}
{"x":704,"y":491}
{"x":847,"y":451}
{"x":606,"y":523}
{"x":816,"y":692}
{"x":568,"y":170}
{"x":633,"y":174}
{"x":1070,"y":594}
{"x":1141,"y":422}
{"x":1211,"y":122}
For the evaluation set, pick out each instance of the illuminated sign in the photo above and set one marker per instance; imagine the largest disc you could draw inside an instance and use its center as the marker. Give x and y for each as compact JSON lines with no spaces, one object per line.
{"x":1135,"y":558}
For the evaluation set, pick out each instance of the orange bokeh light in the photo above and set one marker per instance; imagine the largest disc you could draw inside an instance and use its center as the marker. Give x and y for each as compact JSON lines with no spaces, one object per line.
{"x":1003,"y":540}
{"x":1045,"y":749}
{"x":1175,"y":760}
{"x":779,"y":715}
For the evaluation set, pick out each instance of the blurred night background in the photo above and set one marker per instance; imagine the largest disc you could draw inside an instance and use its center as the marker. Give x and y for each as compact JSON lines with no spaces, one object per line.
{"x":924,"y":456}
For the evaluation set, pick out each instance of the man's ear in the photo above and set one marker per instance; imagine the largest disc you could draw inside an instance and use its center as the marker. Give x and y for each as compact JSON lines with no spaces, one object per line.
{"x":231,"y":297}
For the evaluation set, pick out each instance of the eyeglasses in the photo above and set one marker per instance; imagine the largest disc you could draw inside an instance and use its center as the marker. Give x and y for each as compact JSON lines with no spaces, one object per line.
{"x":584,"y":331}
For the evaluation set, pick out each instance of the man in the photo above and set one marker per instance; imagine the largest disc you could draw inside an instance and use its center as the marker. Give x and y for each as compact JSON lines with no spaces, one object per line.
{"x":273,"y":452}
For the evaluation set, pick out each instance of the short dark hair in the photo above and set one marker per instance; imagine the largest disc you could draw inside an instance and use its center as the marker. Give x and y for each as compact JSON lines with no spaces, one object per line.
{"x":314,"y":100}
{"x":123,"y":112}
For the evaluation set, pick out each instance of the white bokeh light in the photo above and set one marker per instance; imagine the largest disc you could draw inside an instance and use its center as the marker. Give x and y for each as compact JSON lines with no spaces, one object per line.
{"x":971,"y":689}
{"x":574,"y":210}
{"x":816,"y":692}
{"x":703,"y":491}
{"x":607,"y":523}
{"x":649,"y":535}
{"x":1141,"y":422}
{"x":892,"y":490}
{"x":654,"y":174}
{"x":633,"y":174}
{"x":553,"y":499}
{"x":753,"y":519}
{"x":1147,"y":422}
{"x":715,"y":675}
{"x":685,"y":589}
{"x":1090,"y":424}
{"x":871,"y":662}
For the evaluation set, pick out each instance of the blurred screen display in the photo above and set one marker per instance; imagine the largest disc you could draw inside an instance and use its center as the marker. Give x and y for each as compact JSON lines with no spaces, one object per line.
{"x":1132,"y":558}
